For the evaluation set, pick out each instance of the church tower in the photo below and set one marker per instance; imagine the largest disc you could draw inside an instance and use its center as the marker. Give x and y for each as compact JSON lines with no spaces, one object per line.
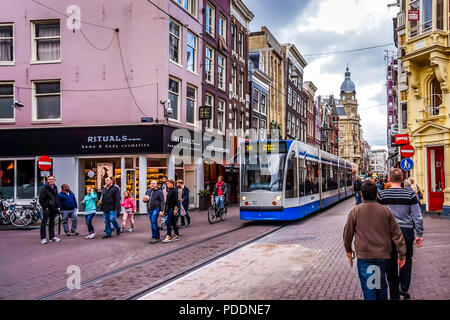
{"x":349,"y":122}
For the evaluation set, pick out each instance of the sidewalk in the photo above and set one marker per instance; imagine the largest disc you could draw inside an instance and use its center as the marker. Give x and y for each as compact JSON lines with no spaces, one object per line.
{"x":307,"y":261}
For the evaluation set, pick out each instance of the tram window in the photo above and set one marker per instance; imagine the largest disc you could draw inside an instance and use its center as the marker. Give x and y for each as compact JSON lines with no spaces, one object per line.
{"x":301,"y":177}
{"x":291,"y":179}
{"x":349,"y":178}
{"x":312,"y":178}
{"x":332,"y":178}
{"x":325,"y":175}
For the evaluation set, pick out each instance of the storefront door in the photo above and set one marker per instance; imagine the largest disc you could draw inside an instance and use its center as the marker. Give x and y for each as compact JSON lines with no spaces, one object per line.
{"x":190,"y":183}
{"x":131,"y":182}
{"x":435,"y":173}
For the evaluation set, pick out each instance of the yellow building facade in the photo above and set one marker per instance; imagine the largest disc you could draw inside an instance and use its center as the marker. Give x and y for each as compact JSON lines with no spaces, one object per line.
{"x":425,"y":57}
{"x":271,"y":50}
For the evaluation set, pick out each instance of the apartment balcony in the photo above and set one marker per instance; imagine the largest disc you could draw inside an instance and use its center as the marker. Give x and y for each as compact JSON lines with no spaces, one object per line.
{"x":433,"y":113}
{"x":401,"y":20}
{"x":422,"y":41}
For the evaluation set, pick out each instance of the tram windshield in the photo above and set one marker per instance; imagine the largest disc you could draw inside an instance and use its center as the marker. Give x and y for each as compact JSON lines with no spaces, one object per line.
{"x":263,"y":166}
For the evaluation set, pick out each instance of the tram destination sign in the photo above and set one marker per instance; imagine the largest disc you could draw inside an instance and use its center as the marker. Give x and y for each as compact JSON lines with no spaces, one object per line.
{"x":265,"y":147}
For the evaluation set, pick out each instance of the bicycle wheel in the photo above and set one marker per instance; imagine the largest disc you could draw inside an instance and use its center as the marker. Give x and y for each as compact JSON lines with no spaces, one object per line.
{"x":21,"y":218}
{"x":211,"y":215}
{"x":223,"y":214}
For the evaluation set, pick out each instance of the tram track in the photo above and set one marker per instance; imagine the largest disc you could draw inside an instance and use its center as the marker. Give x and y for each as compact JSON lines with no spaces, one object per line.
{"x":172,"y":277}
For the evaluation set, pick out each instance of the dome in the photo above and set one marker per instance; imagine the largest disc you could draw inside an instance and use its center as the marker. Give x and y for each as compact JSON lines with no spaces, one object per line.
{"x":348,"y":86}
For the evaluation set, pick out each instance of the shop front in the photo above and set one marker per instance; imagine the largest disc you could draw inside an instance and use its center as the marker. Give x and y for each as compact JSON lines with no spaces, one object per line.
{"x":432,"y":165}
{"x":84,"y":157}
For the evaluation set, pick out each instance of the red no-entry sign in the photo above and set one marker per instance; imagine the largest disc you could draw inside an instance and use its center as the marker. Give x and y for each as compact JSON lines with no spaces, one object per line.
{"x":44,"y":163}
{"x":407,"y":151}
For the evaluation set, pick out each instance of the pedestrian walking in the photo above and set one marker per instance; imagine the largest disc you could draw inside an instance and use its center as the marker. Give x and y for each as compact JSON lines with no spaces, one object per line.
{"x":405,"y":206}
{"x":164,"y":187}
{"x":69,"y":208}
{"x":49,"y":201}
{"x":172,"y":212}
{"x":374,"y":228}
{"x":154,"y":198}
{"x":110,"y":201}
{"x":90,"y":204}
{"x":220,"y":192}
{"x":380,"y":184}
{"x":416,"y":188}
{"x":357,"y":188}
{"x":130,"y":208}
{"x":183,"y":203}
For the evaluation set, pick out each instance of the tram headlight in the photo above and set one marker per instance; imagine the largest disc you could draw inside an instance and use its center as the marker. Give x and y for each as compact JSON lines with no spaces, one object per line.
{"x":278,"y":198}
{"x":244,"y":198}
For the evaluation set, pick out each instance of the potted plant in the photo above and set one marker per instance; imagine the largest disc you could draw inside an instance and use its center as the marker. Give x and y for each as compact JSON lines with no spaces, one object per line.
{"x":203,"y":199}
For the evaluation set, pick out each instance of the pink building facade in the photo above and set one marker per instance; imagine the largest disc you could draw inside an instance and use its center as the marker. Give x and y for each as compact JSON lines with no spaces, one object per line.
{"x":96,"y":91}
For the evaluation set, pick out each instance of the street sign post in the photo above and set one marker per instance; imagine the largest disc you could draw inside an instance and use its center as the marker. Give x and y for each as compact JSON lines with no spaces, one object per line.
{"x":407,"y":151}
{"x":44,"y":163}
{"x":407,"y":164}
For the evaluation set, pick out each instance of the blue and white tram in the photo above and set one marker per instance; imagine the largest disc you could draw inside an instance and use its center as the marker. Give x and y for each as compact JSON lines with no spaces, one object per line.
{"x":288,"y":179}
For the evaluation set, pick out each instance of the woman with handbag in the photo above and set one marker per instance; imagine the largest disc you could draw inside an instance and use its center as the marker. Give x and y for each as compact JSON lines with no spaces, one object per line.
{"x":172,"y":212}
{"x":416,"y":188}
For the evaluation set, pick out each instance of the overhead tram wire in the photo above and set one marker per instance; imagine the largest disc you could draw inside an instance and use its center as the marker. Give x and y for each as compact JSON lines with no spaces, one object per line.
{"x":347,"y":51}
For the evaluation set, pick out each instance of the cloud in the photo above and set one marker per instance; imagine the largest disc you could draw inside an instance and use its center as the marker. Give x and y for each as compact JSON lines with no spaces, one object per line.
{"x":322,"y":26}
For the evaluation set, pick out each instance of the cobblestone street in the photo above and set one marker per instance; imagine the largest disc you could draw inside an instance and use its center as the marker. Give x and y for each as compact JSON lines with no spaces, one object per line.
{"x":306,"y":260}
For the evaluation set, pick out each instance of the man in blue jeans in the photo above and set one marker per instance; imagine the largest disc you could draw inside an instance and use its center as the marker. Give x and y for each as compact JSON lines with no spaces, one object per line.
{"x":375,"y":229}
{"x":109,"y":202}
{"x":154,"y":198}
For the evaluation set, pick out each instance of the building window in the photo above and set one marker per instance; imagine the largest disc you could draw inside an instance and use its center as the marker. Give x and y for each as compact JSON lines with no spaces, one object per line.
{"x":222,"y":27}
{"x":174,"y":41}
{"x":233,"y":80}
{"x":289,"y":96}
{"x":221,"y":72}
{"x":189,"y":5}
{"x":174,"y":96}
{"x":6,"y":102}
{"x":191,"y":94}
{"x":191,"y":52}
{"x":210,"y":15}
{"x":262,"y":129}
{"x":435,"y":99}
{"x":241,"y":84}
{"x":209,"y":101}
{"x":294,"y":100}
{"x":46,"y":40}
{"x":263,"y":105}
{"x":221,"y":116}
{"x":47,"y":100}
{"x":6,"y":44}
{"x":288,"y":128}
{"x":241,"y":123}
{"x":233,"y":37}
{"x":241,"y":44}
{"x":209,"y":65}
{"x":298,"y":132}
{"x":255,"y":99}
{"x":404,"y":116}
{"x":299,"y":103}
{"x":425,"y":22}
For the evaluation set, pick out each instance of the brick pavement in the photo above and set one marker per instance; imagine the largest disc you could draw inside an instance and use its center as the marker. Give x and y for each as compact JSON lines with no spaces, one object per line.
{"x":306,"y":260}
{"x":29,"y":269}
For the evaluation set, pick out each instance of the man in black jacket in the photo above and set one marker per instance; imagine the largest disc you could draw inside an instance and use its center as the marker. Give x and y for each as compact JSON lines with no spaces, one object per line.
{"x":154,"y":198}
{"x":48,"y":198}
{"x":357,"y":188}
{"x":109,"y":202}
{"x":183,"y":198}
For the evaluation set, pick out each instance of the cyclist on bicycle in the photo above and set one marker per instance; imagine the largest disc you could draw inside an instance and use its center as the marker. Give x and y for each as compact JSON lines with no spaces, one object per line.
{"x":220,"y":193}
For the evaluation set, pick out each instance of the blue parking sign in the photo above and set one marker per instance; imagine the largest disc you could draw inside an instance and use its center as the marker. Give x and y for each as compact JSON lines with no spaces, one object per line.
{"x":407,"y":164}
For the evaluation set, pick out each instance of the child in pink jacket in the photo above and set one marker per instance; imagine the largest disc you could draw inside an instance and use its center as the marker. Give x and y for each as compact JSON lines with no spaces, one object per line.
{"x":130,"y":209}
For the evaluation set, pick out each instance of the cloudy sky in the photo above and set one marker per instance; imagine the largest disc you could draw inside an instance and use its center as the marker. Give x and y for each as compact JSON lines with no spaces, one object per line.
{"x":323,"y":26}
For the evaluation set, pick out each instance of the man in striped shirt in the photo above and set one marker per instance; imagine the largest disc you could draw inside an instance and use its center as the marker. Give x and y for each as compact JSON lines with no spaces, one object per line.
{"x":406,"y":208}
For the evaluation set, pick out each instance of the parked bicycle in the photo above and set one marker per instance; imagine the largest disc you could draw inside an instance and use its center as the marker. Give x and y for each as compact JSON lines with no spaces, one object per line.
{"x":214,"y":212}
{"x":29,"y":214}
{"x":7,"y":207}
